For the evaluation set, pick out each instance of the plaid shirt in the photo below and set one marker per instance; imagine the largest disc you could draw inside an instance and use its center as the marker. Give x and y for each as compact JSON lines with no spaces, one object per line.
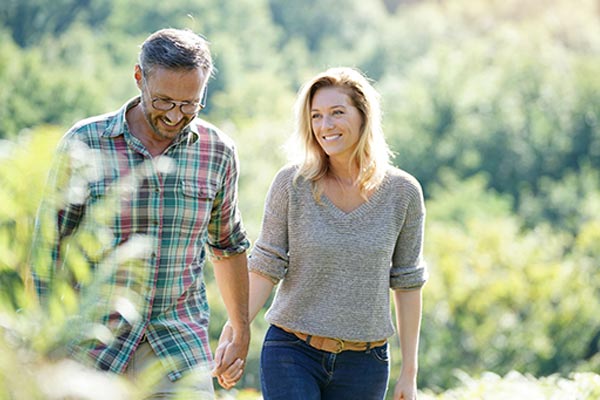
{"x":154,"y":219}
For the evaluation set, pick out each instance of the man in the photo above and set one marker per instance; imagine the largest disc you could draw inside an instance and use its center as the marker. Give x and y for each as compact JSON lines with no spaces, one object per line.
{"x":155,"y":186}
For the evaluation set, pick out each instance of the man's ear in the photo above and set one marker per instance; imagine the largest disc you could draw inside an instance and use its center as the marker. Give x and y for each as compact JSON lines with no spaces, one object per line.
{"x":138,"y":75}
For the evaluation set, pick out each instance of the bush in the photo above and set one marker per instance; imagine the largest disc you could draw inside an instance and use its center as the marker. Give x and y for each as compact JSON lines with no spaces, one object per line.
{"x":584,"y":386}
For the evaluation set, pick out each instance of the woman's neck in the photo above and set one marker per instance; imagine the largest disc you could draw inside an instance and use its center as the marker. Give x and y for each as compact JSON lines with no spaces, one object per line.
{"x":343,"y":172}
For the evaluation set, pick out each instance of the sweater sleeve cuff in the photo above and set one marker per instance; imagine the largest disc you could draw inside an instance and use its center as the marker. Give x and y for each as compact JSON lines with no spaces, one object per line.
{"x":408,"y":277}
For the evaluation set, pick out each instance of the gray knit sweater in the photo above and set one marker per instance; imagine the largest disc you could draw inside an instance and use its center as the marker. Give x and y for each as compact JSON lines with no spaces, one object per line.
{"x":336,"y":269}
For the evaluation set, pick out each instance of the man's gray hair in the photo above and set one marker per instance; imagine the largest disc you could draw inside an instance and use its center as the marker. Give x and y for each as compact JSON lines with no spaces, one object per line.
{"x":176,"y":49}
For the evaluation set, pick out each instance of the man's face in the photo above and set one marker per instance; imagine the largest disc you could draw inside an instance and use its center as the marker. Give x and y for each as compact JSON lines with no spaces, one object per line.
{"x":163,"y":88}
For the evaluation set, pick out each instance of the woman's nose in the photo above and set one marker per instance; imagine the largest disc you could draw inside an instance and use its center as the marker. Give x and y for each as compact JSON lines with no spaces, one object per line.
{"x":327,"y":122}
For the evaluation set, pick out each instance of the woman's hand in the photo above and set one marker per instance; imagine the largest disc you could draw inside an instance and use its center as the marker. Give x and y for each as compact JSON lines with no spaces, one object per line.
{"x":406,"y":387}
{"x":227,"y":375}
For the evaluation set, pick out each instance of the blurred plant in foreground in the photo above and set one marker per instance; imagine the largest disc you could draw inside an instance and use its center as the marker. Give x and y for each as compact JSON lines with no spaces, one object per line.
{"x":34,"y":337}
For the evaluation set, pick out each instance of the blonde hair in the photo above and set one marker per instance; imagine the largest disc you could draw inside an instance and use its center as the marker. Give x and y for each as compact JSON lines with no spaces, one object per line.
{"x":371,"y":156}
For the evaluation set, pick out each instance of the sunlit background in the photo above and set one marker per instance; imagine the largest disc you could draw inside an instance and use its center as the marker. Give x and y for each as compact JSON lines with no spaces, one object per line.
{"x":493,"y":105}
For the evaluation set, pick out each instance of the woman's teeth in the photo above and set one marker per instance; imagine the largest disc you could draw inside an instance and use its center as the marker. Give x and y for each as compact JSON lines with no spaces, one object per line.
{"x":331,"y":137}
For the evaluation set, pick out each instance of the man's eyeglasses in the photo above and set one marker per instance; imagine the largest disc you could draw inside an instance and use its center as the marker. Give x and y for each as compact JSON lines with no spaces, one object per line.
{"x":185,"y":107}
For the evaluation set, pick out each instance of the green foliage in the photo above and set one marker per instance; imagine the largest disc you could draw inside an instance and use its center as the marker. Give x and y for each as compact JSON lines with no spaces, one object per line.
{"x":459,"y":201}
{"x":23,"y":169}
{"x":571,"y":201}
{"x":499,"y":106}
{"x":31,"y":20}
{"x":32,"y":338}
{"x":513,"y":94}
{"x":493,"y":106}
{"x":60,"y":82}
{"x":503,"y":298}
{"x":514,"y":385}
{"x":322,"y":29}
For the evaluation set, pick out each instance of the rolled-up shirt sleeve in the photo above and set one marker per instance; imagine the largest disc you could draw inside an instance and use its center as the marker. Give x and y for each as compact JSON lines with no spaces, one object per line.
{"x":409,"y":270}
{"x":226,"y":234}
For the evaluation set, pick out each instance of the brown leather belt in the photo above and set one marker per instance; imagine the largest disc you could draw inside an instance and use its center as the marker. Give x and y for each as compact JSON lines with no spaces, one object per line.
{"x":334,"y":345}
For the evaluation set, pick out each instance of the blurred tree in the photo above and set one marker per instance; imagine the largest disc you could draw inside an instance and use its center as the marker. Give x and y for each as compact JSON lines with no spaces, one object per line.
{"x":61,"y":81}
{"x":326,"y":25}
{"x":519,"y":102}
{"x":501,"y":298}
{"x":392,"y":5}
{"x":571,"y":201}
{"x":492,"y":105}
{"x":31,"y":20}
{"x":153,"y":15}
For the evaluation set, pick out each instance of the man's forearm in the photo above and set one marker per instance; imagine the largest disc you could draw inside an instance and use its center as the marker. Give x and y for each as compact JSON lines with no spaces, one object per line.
{"x":231,"y":275}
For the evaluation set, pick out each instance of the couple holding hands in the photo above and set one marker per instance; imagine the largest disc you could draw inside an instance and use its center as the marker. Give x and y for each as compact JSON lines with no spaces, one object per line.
{"x":342,"y":230}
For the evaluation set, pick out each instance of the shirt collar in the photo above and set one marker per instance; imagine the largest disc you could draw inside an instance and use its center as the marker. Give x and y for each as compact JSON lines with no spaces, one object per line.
{"x":118,"y":125}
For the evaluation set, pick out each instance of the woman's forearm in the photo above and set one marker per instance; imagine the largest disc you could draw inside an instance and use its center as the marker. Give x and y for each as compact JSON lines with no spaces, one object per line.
{"x":260,"y":290}
{"x":408,"y":320}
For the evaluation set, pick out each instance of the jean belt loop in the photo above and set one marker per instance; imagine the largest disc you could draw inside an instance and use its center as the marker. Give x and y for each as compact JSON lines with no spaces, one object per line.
{"x":308,"y":339}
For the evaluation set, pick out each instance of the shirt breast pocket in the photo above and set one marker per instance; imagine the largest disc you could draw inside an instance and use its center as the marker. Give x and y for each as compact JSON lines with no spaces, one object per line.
{"x":195,"y":203}
{"x":112,"y":206}
{"x":96,"y":191}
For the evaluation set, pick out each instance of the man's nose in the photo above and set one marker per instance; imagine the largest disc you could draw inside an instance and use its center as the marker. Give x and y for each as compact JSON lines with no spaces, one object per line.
{"x":174,"y":114}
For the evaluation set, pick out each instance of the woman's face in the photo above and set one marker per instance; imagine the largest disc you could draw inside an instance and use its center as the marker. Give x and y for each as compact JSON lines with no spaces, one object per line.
{"x":335,"y":122}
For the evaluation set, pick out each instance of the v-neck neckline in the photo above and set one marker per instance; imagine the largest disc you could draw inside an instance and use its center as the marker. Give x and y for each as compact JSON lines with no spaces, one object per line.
{"x":363,"y":208}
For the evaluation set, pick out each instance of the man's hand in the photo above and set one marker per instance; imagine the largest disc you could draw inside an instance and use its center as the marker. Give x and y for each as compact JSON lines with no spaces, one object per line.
{"x":231,"y":275}
{"x":230,"y":356}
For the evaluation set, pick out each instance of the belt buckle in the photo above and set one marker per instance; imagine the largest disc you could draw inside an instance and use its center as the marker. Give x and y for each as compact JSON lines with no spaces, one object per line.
{"x":340,"y":345}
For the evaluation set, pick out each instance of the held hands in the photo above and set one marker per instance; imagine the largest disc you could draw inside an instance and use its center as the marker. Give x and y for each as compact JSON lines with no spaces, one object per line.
{"x":230,"y":355}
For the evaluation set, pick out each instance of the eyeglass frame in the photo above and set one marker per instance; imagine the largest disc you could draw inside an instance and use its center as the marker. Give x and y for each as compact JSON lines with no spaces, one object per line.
{"x":199,"y":106}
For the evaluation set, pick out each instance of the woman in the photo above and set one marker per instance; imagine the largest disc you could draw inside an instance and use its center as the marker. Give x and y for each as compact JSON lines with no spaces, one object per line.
{"x":341,"y":227}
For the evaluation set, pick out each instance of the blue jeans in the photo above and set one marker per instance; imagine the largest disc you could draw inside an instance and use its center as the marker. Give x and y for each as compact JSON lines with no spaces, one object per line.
{"x":292,"y":370}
